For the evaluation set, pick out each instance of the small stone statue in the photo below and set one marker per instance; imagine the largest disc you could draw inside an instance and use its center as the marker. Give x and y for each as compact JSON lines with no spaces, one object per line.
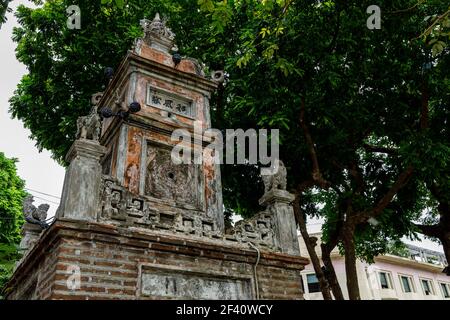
{"x":277,"y":180}
{"x":89,"y":127}
{"x":35,"y":215}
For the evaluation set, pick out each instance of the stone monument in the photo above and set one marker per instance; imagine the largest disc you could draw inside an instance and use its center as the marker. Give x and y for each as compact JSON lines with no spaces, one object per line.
{"x":132,"y":224}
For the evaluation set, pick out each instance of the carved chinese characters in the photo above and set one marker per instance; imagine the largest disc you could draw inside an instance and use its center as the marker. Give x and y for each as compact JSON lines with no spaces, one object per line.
{"x":170,"y":102}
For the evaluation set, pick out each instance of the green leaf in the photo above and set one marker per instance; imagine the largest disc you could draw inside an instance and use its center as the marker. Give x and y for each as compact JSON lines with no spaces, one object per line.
{"x":120,"y":3}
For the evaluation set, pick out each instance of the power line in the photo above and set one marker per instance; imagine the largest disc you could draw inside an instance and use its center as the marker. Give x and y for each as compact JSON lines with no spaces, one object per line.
{"x":57,"y":203}
{"x":45,"y":194}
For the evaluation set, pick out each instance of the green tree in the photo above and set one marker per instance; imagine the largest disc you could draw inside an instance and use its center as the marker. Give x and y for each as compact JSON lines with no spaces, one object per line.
{"x":11,"y":219}
{"x":3,"y":10}
{"x":361,"y":99}
{"x":438,"y":33}
{"x":362,"y":113}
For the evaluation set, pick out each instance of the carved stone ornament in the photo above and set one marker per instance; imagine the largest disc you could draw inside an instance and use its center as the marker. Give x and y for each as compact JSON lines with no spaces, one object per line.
{"x":276,"y":181}
{"x":89,"y":127}
{"x":121,"y":207}
{"x":33,"y":214}
{"x":258,"y":230}
{"x":157,"y":34}
{"x":218,"y":76}
{"x":96,"y":97}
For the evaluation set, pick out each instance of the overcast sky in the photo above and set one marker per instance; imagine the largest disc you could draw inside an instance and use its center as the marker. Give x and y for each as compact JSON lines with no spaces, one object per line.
{"x":39,"y":170}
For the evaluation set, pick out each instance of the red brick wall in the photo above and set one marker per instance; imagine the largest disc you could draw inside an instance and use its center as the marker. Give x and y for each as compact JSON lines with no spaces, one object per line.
{"x":109,"y":260}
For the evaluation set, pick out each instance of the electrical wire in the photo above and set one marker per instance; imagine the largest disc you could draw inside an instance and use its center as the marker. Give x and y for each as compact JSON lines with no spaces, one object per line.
{"x":45,"y":194}
{"x":46,"y":200}
{"x":254,"y":269}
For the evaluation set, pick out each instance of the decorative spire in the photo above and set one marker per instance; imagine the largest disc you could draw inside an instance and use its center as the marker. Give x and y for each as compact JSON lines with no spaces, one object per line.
{"x":157,"y":35}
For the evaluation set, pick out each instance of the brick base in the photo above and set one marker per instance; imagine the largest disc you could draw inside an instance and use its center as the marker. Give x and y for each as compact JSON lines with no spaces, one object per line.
{"x":111,"y":260}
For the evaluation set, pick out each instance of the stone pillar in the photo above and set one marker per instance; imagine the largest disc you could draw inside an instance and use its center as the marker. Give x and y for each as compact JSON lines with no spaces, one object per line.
{"x":80,"y":199}
{"x":30,"y":234}
{"x":279,"y":204}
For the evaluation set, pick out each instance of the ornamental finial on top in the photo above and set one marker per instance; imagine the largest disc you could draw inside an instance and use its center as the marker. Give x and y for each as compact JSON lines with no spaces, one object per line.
{"x":157,"y":34}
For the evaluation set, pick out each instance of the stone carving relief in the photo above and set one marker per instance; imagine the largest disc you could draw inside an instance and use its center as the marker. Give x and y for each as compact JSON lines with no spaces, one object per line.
{"x":179,"y":183}
{"x":122,"y":207}
{"x":258,"y":229}
{"x":113,"y":206}
{"x":166,"y":180}
{"x":166,"y":283}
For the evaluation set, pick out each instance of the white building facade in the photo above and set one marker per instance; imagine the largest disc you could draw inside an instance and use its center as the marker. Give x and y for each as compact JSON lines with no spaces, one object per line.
{"x":417,"y":277}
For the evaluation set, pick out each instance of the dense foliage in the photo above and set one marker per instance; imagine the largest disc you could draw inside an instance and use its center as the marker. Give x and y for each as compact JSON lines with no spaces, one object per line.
{"x":11,"y":219}
{"x":4,"y":8}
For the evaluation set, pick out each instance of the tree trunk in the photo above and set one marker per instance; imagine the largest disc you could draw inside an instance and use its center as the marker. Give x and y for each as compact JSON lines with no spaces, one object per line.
{"x":348,"y":241}
{"x":445,"y":239}
{"x":442,"y":229}
{"x":438,"y":231}
{"x":330,"y":272}
{"x":310,"y":246}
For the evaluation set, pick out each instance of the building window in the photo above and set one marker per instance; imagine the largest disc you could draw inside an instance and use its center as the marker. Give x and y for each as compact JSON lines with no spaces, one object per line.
{"x":427,"y":286}
{"x":385,"y":280}
{"x":445,"y":288}
{"x":407,"y":284}
{"x":313,"y":283}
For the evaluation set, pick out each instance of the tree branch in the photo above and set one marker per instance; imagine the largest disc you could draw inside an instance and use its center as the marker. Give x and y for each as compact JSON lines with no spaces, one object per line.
{"x":401,"y":181}
{"x":371,"y":148}
{"x":316,"y":174}
{"x":355,"y":172}
{"x":436,"y":21}
{"x":408,"y":9}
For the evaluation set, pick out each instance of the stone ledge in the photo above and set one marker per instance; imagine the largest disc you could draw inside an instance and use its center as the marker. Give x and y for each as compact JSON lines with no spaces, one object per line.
{"x":276,"y":195}
{"x":88,"y":148}
{"x":106,"y":233}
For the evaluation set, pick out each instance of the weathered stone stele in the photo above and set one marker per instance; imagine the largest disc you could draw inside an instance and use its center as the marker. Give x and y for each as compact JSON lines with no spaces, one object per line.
{"x":134,"y":225}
